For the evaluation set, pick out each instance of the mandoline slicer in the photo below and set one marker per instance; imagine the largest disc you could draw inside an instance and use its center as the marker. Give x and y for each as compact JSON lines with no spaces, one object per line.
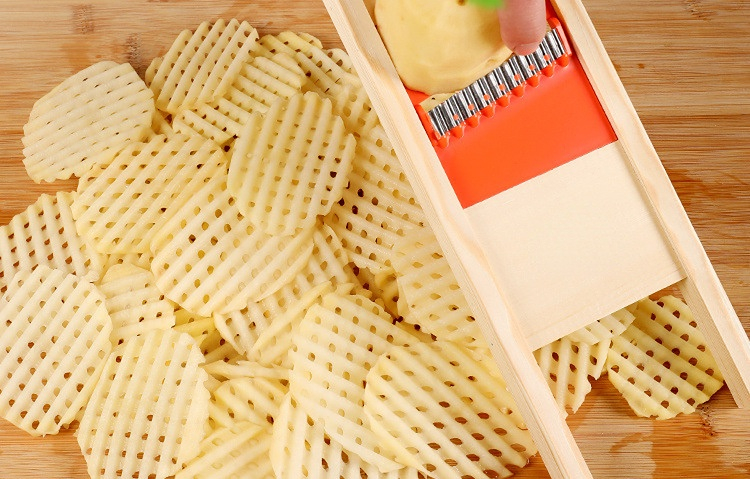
{"x":550,"y":204}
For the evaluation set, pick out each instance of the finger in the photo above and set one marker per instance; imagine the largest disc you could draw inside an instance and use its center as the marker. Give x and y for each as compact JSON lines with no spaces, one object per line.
{"x":523,"y":24}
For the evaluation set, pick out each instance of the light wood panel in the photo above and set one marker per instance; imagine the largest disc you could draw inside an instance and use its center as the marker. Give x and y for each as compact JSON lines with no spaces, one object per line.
{"x":684,"y":65}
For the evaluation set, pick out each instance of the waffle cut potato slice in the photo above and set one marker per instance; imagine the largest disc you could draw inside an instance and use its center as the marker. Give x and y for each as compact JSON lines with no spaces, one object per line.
{"x":301,"y":450}
{"x":291,"y":165}
{"x":252,"y":399}
{"x":568,"y":367}
{"x":260,"y":83}
{"x":604,"y":329}
{"x":661,"y":364}
{"x":282,"y":312}
{"x":142,"y":260}
{"x":200,"y":66}
{"x":45,"y":234}
{"x":85,"y":120}
{"x":147,"y":414}
{"x":430,"y":295}
{"x":119,"y":204}
{"x":209,"y":258}
{"x":240,"y":450}
{"x":441,"y":410}
{"x":198,"y":327}
{"x":54,"y":338}
{"x":337,"y":343}
{"x":134,"y":303}
{"x":378,"y":206}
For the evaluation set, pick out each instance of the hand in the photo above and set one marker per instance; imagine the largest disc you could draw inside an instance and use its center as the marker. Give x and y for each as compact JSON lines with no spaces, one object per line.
{"x":523,"y":24}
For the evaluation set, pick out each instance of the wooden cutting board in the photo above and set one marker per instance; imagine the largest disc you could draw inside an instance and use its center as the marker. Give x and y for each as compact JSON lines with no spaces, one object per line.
{"x":684,"y":64}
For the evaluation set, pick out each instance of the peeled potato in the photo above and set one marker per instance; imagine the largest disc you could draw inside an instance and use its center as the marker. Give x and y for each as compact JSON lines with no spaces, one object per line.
{"x":440,"y":46}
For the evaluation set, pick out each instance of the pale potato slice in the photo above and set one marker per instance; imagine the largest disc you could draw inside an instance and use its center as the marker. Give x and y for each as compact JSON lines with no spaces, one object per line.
{"x":119,"y":204}
{"x":378,"y":206}
{"x":291,"y":165}
{"x":430,"y":296}
{"x":661,"y":364}
{"x":200,"y":66}
{"x":54,"y":331}
{"x":605,"y":328}
{"x":232,"y":452}
{"x":134,"y":303}
{"x":147,"y":413}
{"x":45,"y":233}
{"x":301,"y":450}
{"x":86,"y":120}
{"x":252,"y":399}
{"x":437,"y":408}
{"x":337,"y":343}
{"x":567,"y":365}
{"x":208,"y":258}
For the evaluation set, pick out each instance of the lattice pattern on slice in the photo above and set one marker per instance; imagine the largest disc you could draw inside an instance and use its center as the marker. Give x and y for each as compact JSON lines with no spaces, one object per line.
{"x":271,"y":321}
{"x":142,"y":260}
{"x":383,"y":286}
{"x":301,"y":450}
{"x":604,"y":329}
{"x":119,"y":204}
{"x":377,"y":207}
{"x":291,"y":165}
{"x":254,"y":399}
{"x":436,"y":407}
{"x":134,"y":303}
{"x":246,"y":369}
{"x":232,"y":452}
{"x":215,"y":348}
{"x":568,"y":365}
{"x":54,"y":334}
{"x":199,"y":327}
{"x":45,"y":233}
{"x":161,"y":124}
{"x":661,"y":364}
{"x":86,"y":119}
{"x":208,"y":258}
{"x":335,"y":346}
{"x":430,"y":295}
{"x":288,"y":43}
{"x":201,"y":66}
{"x":147,"y":414}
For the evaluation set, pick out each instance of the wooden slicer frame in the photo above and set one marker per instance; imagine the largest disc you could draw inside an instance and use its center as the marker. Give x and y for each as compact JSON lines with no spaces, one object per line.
{"x":614,"y":204}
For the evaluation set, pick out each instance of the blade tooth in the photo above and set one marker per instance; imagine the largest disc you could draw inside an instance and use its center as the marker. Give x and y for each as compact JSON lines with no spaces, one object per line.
{"x":437,"y":121}
{"x":509,"y":75}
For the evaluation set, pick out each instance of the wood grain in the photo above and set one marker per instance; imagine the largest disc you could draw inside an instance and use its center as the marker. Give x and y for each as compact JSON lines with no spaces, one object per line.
{"x":684,"y":64}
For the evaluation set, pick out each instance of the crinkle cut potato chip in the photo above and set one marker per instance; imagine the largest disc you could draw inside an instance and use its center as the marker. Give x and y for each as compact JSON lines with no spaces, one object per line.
{"x":147,"y":414}
{"x":232,"y":452}
{"x":301,"y":450}
{"x":291,"y":165}
{"x":437,"y":408}
{"x":661,"y":364}
{"x":430,"y":295}
{"x":86,"y":119}
{"x":605,"y":328}
{"x":378,"y":206}
{"x":208,"y":258}
{"x":134,"y":303}
{"x":335,"y":346}
{"x":252,"y":399}
{"x":119,"y":204}
{"x":45,"y":233}
{"x":201,"y":66}
{"x":54,"y":331}
{"x":568,"y":365}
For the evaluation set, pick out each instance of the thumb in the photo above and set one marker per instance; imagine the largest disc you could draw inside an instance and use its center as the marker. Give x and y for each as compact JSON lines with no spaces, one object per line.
{"x":523,"y":24}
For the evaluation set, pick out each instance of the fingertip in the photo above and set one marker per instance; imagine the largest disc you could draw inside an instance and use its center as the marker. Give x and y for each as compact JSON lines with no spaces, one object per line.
{"x":523,"y":24}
